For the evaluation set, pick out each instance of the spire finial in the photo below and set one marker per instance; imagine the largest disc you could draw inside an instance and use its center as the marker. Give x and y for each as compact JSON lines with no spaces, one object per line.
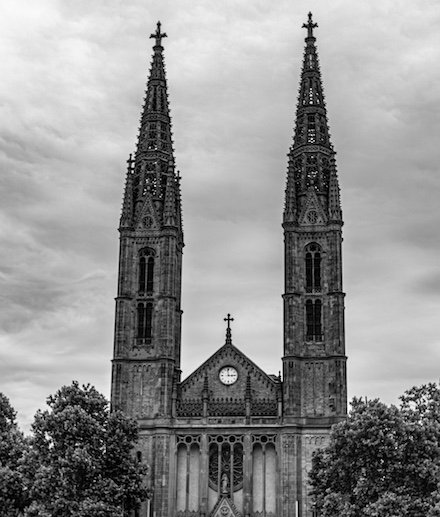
{"x":130,"y":163}
{"x":228,"y":328}
{"x":310,"y":26}
{"x":158,"y":35}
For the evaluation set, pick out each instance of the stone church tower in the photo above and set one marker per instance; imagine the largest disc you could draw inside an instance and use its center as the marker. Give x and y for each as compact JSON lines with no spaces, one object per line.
{"x":230,"y":440}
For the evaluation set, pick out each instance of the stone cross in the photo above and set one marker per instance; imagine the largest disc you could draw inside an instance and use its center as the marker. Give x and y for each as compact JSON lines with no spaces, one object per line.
{"x":158,"y":35}
{"x":229,"y":319}
{"x":310,"y":26}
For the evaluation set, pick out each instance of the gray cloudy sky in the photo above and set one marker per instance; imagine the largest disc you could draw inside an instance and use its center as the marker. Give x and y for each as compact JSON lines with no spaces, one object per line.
{"x":72,"y":80}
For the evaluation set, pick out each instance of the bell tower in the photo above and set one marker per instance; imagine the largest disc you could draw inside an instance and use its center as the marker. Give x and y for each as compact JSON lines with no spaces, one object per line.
{"x":230,"y":439}
{"x":146,"y":360}
{"x":314,"y":362}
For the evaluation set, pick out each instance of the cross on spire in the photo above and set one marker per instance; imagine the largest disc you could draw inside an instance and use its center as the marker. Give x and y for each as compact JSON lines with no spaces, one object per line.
{"x":158,"y":35}
{"x":229,"y":319}
{"x":310,"y":26}
{"x":228,"y":329}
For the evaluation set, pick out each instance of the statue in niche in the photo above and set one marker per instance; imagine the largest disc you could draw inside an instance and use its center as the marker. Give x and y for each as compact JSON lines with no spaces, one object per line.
{"x":225,"y":482}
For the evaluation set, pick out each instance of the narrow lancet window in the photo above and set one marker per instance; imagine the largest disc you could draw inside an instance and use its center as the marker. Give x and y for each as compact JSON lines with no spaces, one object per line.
{"x":313,"y":268}
{"x":146,"y":271}
{"x":141,"y":320}
{"x":145,"y":321}
{"x":313,"y":320}
{"x":148,"y":321}
{"x":150,"y":274}
{"x":142,"y":270}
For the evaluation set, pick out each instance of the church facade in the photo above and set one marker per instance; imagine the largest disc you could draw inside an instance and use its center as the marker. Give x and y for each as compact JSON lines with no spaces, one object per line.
{"x":230,"y":439}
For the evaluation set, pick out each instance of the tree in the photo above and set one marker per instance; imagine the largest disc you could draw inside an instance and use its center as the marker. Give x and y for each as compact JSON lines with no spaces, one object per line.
{"x":383,"y":461}
{"x":12,"y":447}
{"x":80,"y":463}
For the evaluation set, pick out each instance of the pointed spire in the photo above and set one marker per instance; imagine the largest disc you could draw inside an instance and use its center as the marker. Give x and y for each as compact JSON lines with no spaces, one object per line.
{"x":127,"y":204}
{"x":311,"y":115}
{"x":290,"y":205}
{"x":155,"y":142}
{"x":152,"y":174}
{"x":334,"y":202}
{"x":311,"y":157}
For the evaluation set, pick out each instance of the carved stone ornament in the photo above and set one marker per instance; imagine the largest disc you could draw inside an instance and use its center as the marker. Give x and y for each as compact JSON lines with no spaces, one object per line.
{"x":147,"y":221}
{"x":312,"y":216}
{"x":225,"y":508}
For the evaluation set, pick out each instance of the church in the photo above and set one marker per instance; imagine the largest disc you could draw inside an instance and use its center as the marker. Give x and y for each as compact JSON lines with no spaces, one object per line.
{"x":230,"y":440}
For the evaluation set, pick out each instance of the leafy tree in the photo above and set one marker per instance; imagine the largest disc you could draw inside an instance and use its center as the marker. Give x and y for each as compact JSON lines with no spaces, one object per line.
{"x":80,"y":463}
{"x":383,"y":461}
{"x":12,"y":447}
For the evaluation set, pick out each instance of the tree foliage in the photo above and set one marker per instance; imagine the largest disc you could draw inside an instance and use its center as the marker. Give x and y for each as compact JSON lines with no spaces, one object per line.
{"x":383,"y":461}
{"x":12,"y":448}
{"x":80,"y":462}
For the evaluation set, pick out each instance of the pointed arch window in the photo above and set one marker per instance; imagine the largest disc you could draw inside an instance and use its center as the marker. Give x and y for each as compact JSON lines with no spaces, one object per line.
{"x":148,"y":321}
{"x":142,"y":274}
{"x":313,"y":261}
{"x":146,"y":271}
{"x":140,"y":320}
{"x":145,"y":321}
{"x":313,"y":320}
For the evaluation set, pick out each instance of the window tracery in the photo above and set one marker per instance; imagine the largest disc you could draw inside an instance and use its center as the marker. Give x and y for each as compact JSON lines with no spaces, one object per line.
{"x":313,"y":320}
{"x":226,"y":463}
{"x":144,"y":320}
{"x":313,"y":261}
{"x":146,"y":270}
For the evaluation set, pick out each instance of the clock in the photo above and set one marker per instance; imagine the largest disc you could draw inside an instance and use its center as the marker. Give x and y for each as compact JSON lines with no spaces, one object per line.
{"x":228,"y":375}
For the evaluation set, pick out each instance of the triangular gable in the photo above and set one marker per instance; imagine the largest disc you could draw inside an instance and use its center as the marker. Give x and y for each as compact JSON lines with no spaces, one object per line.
{"x":228,"y":353}
{"x":313,"y":213}
{"x":148,"y":217}
{"x":228,"y":384}
{"x":225,"y":508}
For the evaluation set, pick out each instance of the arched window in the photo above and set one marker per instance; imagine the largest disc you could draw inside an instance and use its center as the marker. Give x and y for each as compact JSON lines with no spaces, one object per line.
{"x":313,"y":268}
{"x":145,"y":320}
{"x":150,"y":273}
{"x":141,"y":320}
{"x":146,"y":270}
{"x":226,"y":465}
{"x":148,"y":320}
{"x":313,"y":320}
{"x":142,"y":274}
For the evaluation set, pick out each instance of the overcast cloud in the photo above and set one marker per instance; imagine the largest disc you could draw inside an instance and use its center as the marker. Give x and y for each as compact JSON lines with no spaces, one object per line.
{"x":72,"y":80}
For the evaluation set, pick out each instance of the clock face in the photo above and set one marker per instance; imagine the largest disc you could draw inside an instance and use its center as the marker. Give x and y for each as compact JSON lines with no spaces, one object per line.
{"x":228,"y":375}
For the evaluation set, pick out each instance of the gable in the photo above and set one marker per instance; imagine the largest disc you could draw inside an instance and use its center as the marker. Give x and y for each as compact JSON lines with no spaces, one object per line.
{"x":313,"y":213}
{"x":148,"y":218}
{"x":225,"y":508}
{"x":228,"y":381}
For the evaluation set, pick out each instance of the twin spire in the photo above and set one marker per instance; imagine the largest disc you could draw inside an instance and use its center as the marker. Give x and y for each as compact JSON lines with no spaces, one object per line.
{"x":151,"y":175}
{"x":311,"y":165}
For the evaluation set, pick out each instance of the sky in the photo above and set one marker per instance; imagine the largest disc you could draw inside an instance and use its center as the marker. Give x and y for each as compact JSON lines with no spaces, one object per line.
{"x":73,"y":76}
